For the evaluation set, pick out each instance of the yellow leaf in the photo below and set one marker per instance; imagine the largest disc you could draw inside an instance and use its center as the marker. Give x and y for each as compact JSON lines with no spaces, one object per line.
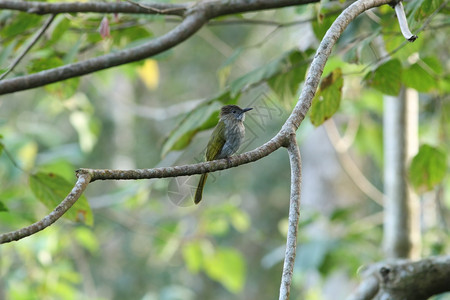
{"x":149,"y":73}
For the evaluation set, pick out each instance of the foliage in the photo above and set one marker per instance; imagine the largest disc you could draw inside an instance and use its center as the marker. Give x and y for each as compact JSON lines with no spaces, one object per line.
{"x":142,"y":246}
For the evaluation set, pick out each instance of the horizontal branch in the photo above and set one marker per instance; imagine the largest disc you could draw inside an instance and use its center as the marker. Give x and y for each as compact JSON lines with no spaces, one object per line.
{"x":86,"y":176}
{"x":41,"y":8}
{"x":186,"y":170}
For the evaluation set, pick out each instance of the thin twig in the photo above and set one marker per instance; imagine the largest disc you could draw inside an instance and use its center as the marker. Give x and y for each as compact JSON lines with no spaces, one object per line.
{"x":36,"y":37}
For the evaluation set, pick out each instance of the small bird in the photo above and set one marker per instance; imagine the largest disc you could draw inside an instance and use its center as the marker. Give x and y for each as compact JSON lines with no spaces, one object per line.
{"x":225,"y":140}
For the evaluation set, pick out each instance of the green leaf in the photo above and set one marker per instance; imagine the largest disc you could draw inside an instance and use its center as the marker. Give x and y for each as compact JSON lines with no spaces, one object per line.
{"x":286,"y":83}
{"x":328,"y":98}
{"x":60,"y":25}
{"x":126,"y":36}
{"x":86,"y":238}
{"x":322,"y":24}
{"x":311,"y":255}
{"x":422,"y":75}
{"x":3,"y":207}
{"x":193,"y":256}
{"x":386,"y":78}
{"x":227,"y":266}
{"x":51,"y":189}
{"x":64,"y":89}
{"x":427,"y":168}
{"x":203,"y":117}
{"x":280,"y":65}
{"x":240,"y":220}
{"x":426,"y":8}
{"x":21,"y":22}
{"x":41,"y":64}
{"x":256,"y":76}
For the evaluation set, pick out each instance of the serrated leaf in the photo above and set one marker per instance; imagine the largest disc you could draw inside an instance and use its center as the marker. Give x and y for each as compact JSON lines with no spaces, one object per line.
{"x":201,"y":118}
{"x":227,"y":266}
{"x":386,"y":78}
{"x":328,"y":98}
{"x":427,"y":168}
{"x":51,"y":189}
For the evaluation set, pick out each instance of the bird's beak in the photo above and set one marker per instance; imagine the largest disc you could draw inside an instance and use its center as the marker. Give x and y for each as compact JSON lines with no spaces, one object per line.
{"x":247,"y":109}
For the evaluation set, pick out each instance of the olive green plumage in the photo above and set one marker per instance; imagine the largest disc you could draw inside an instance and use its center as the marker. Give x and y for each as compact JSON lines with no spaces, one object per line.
{"x":225,"y":139}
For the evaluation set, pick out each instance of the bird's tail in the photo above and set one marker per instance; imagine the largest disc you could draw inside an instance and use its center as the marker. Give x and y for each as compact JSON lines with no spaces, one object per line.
{"x":199,"y":191}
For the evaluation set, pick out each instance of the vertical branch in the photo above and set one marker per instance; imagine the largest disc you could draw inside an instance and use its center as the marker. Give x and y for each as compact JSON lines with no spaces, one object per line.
{"x":401,"y":217}
{"x":294,"y":216}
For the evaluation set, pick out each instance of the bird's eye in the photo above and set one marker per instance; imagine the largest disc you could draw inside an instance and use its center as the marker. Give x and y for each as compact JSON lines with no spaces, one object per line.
{"x":234,"y":111}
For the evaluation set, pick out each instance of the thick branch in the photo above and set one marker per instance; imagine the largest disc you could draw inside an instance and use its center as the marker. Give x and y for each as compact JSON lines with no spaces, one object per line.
{"x":42,"y":8}
{"x":294,"y":216}
{"x":404,"y":279}
{"x":48,"y":220}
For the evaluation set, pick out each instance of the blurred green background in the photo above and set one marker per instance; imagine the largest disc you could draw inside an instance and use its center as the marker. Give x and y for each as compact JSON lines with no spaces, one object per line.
{"x":145,"y":239}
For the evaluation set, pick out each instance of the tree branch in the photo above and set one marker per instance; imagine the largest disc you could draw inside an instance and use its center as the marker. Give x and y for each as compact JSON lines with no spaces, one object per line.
{"x":404,"y":279}
{"x":321,"y":57}
{"x":186,"y":170}
{"x":48,"y":220}
{"x":42,"y":8}
{"x":195,"y":17}
{"x":294,"y":216}
{"x":185,"y":29}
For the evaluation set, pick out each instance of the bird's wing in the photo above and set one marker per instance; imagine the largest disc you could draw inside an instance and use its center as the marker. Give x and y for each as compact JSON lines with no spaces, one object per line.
{"x":216,"y":141}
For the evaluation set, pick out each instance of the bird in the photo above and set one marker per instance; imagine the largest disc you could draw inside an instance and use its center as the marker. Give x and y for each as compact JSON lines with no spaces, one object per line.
{"x":225,"y":140}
